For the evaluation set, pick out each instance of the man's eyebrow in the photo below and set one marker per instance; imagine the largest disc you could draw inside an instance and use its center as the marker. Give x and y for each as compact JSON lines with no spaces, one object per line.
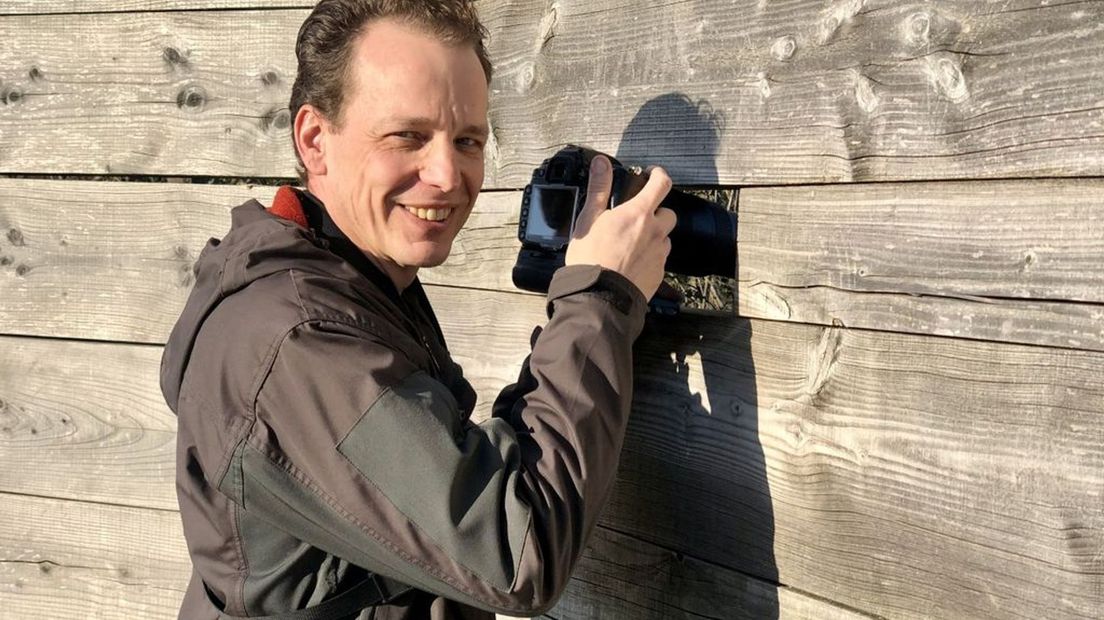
{"x":421,"y":121}
{"x":479,"y":130}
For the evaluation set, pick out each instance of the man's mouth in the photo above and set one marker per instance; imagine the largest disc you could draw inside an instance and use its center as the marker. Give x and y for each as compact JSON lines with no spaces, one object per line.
{"x":433,"y":214}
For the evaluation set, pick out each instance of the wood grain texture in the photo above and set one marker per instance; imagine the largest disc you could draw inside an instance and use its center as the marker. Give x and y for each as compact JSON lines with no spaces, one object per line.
{"x":63,"y":559}
{"x":942,"y":478}
{"x":762,"y":93}
{"x":995,"y":260}
{"x":85,"y":421}
{"x":38,"y":7}
{"x":193,"y":93}
{"x":131,"y":246}
{"x":901,"y":475}
{"x":1007,"y":261}
{"x":619,"y":577}
{"x":801,"y":91}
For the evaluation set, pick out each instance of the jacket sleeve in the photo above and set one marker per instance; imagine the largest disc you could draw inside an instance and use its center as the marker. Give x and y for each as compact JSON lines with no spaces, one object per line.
{"x":356,"y":451}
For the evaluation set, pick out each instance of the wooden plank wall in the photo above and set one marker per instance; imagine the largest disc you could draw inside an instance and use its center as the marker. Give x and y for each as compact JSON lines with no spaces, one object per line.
{"x":904,"y":420}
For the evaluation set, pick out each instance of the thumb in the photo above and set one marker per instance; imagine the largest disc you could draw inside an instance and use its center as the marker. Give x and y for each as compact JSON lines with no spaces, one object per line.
{"x":598,"y":195}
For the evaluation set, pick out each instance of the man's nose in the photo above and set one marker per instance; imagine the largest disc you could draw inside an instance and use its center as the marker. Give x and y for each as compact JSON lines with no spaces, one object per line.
{"x":440,"y":168}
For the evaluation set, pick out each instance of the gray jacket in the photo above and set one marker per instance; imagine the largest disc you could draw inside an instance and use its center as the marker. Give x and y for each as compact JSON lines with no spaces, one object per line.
{"x":324,"y":432}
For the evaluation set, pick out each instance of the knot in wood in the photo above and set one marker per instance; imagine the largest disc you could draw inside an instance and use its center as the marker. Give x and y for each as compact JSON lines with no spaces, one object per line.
{"x":15,"y":237}
{"x":1030,"y":259}
{"x":185,"y":276}
{"x":865,"y":95}
{"x":276,"y":119}
{"x":841,"y":13}
{"x":22,"y":270}
{"x":823,"y":359}
{"x":192,"y":98}
{"x":526,"y":77}
{"x":35,"y":74}
{"x":6,"y":260}
{"x":784,"y":48}
{"x":174,"y":57}
{"x":11,"y":96}
{"x":828,"y":29}
{"x":918,"y":28}
{"x":548,"y":26}
{"x":270,"y":78}
{"x":764,"y":85}
{"x":948,"y":78}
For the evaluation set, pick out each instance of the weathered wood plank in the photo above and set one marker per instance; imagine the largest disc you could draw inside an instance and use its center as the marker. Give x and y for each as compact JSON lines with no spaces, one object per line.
{"x":622,"y":577}
{"x":1006,"y":261}
{"x":905,"y":476}
{"x":804,"y":91}
{"x":798,"y":92}
{"x":64,"y":559}
{"x":38,"y":7}
{"x":194,"y":93}
{"x":135,"y":266}
{"x":85,"y":421}
{"x":67,"y":559}
{"x":902,"y":475}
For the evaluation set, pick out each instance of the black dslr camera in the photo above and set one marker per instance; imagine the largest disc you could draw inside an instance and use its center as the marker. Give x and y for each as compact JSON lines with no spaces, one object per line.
{"x":702,"y":243}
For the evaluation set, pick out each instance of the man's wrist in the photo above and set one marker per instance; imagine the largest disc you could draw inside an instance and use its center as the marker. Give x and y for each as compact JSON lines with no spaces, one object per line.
{"x":615,"y":288}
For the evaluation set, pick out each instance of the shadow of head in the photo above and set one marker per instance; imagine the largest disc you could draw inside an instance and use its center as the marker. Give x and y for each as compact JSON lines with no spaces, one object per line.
{"x":679,"y":134}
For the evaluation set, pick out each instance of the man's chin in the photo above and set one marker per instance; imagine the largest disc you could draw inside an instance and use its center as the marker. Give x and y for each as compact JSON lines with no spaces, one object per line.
{"x":430,"y":260}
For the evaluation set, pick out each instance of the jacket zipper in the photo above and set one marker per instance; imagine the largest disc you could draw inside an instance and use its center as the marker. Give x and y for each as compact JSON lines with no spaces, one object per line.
{"x":432,"y":357}
{"x":416,"y":312}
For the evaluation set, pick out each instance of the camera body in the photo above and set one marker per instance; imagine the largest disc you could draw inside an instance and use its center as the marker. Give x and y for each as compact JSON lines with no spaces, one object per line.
{"x":702,"y":243}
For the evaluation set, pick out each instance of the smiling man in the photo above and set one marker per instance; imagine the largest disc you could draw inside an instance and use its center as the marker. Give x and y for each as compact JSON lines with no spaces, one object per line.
{"x":327,"y":464}
{"x":400,"y":164}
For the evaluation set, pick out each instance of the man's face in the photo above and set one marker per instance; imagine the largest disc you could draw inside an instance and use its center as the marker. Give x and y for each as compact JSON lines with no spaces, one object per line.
{"x":403,"y":171}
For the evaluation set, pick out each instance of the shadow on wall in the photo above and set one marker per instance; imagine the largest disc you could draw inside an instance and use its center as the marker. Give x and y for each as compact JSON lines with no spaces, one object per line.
{"x":681,"y":135}
{"x":693,"y":474}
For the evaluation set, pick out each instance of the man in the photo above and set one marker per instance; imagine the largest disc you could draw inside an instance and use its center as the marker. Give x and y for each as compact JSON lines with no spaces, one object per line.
{"x":326,"y":460}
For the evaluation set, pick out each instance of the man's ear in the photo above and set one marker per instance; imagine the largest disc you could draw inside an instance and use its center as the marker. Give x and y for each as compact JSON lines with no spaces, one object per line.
{"x":310,"y":131}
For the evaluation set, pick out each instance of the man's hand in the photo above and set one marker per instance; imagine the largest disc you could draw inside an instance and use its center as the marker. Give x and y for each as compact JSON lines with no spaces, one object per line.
{"x":631,"y":239}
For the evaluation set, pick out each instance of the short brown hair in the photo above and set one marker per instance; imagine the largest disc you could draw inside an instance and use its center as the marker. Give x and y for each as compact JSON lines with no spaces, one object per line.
{"x":325,"y":43}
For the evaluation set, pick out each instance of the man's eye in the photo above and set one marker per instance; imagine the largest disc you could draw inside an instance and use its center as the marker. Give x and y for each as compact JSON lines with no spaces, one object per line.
{"x":470,"y":143}
{"x":409,"y":135}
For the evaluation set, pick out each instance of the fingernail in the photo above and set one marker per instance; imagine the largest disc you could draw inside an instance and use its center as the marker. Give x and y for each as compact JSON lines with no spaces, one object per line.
{"x":599,"y":164}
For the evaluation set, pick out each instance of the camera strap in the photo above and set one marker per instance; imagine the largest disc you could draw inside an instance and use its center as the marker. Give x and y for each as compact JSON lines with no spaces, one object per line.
{"x":374,"y":590}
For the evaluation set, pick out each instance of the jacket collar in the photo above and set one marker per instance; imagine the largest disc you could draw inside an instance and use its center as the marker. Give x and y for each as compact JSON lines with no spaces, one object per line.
{"x":306,"y":210}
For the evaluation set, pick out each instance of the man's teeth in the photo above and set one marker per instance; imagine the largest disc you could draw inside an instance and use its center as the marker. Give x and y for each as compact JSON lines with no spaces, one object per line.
{"x":432,"y":215}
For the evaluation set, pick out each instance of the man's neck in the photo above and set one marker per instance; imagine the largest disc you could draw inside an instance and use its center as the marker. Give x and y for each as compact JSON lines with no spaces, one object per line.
{"x":401,"y":277}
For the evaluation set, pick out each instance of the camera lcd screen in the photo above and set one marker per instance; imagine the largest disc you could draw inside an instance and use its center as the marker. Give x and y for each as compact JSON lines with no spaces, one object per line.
{"x":551,"y":214}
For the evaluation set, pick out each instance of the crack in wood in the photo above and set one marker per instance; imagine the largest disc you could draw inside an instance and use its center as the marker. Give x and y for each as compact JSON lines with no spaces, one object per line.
{"x":980,"y":299}
{"x":91,"y":501}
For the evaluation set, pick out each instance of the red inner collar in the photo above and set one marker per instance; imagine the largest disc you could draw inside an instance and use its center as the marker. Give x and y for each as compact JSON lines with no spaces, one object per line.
{"x":286,"y":205}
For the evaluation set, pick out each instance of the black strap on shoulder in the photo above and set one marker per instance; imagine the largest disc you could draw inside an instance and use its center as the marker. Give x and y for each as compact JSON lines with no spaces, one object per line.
{"x":374,"y":590}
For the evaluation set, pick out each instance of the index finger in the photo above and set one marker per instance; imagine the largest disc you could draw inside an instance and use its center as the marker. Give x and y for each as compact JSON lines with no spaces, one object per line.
{"x":654,"y":191}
